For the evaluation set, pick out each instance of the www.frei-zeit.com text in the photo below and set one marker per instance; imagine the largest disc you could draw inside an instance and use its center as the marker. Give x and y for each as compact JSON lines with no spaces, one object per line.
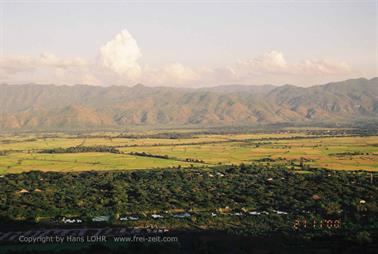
{"x":96,"y":239}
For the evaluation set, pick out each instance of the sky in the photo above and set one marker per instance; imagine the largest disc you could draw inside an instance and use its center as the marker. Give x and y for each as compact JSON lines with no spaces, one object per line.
{"x":187,"y":43}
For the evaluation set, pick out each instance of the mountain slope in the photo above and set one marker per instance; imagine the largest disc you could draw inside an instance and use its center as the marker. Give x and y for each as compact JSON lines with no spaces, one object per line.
{"x":66,"y":107}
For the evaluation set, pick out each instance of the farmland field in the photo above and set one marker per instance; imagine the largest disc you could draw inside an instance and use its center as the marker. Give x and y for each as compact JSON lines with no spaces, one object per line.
{"x":236,"y":183}
{"x":301,"y":148}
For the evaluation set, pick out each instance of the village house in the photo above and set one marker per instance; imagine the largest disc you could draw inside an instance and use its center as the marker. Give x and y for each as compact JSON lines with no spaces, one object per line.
{"x":103,"y":218}
{"x":157,"y":216}
{"x":181,"y":215}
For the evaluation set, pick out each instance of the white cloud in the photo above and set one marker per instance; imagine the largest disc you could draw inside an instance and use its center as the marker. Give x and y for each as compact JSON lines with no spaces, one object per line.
{"x":275,"y":63}
{"x":46,"y":68}
{"x":273,"y":68}
{"x":121,"y":55}
{"x":173,"y":74}
{"x":272,"y":62}
{"x":22,"y":63}
{"x":315,"y":67}
{"x":50,"y":60}
{"x":117,"y":64}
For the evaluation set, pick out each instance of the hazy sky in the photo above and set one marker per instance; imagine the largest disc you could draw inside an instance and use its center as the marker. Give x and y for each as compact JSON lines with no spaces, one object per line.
{"x":189,"y":43}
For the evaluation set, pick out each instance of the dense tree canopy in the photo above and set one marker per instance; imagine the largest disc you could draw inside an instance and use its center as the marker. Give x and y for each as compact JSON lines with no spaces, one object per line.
{"x":319,"y":193}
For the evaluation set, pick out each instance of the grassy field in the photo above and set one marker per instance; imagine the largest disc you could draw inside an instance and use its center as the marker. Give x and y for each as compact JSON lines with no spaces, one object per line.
{"x":22,"y":152}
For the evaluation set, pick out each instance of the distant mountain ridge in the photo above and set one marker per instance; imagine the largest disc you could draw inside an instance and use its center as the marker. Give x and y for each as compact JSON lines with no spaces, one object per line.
{"x":49,"y":107}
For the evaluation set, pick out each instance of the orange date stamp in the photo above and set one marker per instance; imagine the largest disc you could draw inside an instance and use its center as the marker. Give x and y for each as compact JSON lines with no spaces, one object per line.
{"x":301,"y":224}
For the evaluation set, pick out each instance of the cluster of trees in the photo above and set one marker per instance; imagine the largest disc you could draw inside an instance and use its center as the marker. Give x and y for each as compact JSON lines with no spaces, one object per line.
{"x":194,"y":160}
{"x":144,"y":154}
{"x":11,"y":141}
{"x":266,"y":159}
{"x":82,"y":149}
{"x":349,"y":153}
{"x":168,"y":135}
{"x":364,"y":131}
{"x":353,"y":196}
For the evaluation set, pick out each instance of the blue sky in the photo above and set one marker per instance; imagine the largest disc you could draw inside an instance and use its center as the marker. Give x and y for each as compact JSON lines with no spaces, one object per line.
{"x":194,"y":43}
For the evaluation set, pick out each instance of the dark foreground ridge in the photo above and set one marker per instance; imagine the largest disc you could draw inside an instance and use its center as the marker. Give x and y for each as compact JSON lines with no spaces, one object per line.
{"x":270,"y":204}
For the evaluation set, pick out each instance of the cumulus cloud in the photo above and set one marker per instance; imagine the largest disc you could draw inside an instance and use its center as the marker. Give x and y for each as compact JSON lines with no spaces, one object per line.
{"x":16,"y":64}
{"x":117,"y":64}
{"x":45,"y":68}
{"x":274,"y":62}
{"x":50,"y":60}
{"x":174,"y":74}
{"x":121,"y":55}
{"x":314,"y":67}
{"x":272,"y":67}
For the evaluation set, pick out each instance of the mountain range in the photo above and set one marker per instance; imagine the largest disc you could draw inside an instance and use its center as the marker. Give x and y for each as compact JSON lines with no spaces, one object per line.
{"x":50,"y":107}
